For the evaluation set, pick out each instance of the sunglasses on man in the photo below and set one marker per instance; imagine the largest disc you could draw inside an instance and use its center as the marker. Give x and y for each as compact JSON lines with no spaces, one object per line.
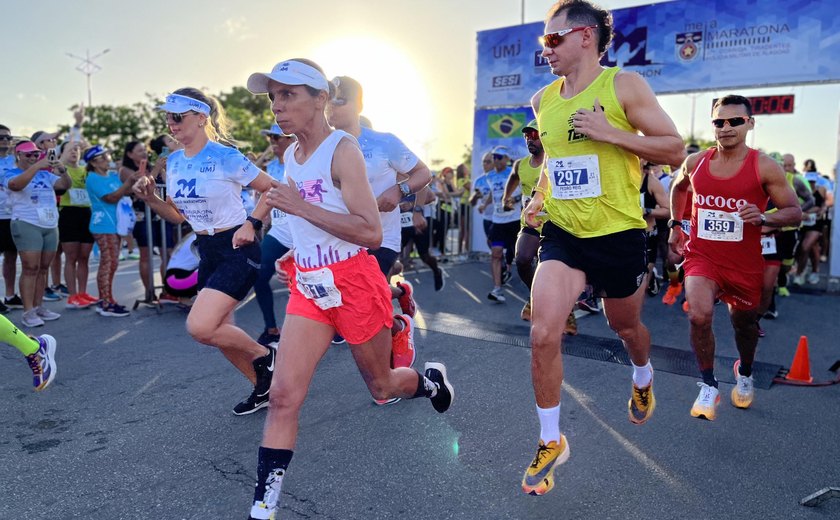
{"x":5,"y":138}
{"x":733,"y":121}
{"x":530,"y":133}
{"x":552,"y":40}
{"x":498,"y":157}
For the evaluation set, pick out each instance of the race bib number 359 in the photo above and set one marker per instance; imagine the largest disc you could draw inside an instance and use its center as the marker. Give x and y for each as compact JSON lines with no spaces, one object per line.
{"x":576,"y":177}
{"x":719,"y":226}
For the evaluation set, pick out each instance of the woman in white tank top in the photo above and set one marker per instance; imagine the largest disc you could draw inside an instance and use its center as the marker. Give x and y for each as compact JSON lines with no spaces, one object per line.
{"x":336,"y":286}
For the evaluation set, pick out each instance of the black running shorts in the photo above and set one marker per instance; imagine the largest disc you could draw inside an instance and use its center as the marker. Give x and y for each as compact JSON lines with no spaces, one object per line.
{"x":225,"y":269}
{"x":615,"y":264}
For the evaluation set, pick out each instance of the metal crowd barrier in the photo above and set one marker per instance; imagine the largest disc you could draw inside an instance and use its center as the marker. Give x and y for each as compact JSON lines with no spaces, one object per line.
{"x":150,"y":298}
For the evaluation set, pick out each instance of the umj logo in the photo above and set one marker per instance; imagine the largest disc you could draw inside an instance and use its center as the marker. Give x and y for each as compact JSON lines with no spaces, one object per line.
{"x":500,"y":126}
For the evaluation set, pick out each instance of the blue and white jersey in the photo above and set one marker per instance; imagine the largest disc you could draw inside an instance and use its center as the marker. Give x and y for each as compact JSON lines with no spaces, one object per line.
{"x":279,"y":223}
{"x":34,"y":204}
{"x":386,"y":156}
{"x":207,"y":188}
{"x":103,"y":215}
{"x":483,"y":186}
{"x":497,"y":181}
{"x":6,"y":163}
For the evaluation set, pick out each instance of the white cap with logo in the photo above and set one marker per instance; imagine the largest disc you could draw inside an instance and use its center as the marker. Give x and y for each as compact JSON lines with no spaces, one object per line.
{"x":289,"y":73}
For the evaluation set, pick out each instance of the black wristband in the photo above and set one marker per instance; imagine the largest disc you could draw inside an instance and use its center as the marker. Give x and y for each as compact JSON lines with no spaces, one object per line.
{"x":674,"y":223}
{"x":257,"y":223}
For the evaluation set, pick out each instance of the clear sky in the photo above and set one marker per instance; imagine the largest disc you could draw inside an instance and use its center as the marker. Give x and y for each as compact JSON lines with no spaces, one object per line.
{"x":415,"y":58}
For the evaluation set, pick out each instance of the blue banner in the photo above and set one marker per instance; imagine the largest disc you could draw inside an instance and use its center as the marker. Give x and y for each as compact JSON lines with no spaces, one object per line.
{"x":681,"y":46}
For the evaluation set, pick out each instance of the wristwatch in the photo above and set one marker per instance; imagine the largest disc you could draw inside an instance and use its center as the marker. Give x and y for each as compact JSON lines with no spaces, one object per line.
{"x":404,"y":189}
{"x":674,"y":223}
{"x":257,"y":223}
{"x":763,"y":219}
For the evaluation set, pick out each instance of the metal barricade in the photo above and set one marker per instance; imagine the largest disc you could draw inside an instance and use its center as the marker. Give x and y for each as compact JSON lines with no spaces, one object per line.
{"x":150,"y":297}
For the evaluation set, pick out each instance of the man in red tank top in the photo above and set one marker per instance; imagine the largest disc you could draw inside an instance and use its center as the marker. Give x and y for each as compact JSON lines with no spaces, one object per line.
{"x":731,"y":184}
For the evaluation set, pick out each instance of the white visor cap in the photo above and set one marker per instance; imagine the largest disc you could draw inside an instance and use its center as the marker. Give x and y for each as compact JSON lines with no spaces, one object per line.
{"x":289,"y":73}
{"x":178,"y":104}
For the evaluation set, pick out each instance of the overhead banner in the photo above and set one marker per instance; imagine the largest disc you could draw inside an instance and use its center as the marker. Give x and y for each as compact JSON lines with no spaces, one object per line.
{"x":681,"y":46}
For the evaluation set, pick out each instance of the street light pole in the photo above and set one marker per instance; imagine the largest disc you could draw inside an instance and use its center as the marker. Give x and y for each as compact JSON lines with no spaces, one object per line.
{"x":88,"y":67}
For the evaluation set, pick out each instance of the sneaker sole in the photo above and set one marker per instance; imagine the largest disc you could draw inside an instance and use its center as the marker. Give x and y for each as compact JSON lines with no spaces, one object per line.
{"x":733,"y":394}
{"x":113,"y":315}
{"x":442,"y":369}
{"x":255,"y":409}
{"x":386,"y":402}
{"x":50,"y":318}
{"x":51,"y":345}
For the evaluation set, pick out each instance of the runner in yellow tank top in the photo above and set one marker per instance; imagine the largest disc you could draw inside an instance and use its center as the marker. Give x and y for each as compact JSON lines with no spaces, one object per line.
{"x":595,"y":125}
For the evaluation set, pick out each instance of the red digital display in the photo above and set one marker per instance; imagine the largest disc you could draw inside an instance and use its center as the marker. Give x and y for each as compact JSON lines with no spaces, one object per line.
{"x":768,"y":105}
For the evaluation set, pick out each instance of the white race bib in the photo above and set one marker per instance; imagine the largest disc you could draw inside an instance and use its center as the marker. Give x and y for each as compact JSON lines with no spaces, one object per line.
{"x":319,"y":286}
{"x":719,"y":226}
{"x":577,"y":177}
{"x":406,"y":219}
{"x":809,"y":219}
{"x":768,"y":245}
{"x":686,"y":226}
{"x":48,"y":217}
{"x":79,"y":197}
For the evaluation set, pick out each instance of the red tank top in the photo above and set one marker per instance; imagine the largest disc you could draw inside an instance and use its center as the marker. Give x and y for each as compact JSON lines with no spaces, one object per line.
{"x":717,"y":234}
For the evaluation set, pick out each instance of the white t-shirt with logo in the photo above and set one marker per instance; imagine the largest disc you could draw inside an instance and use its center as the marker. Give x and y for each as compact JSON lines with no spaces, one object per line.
{"x":6,"y":163}
{"x":207,"y":188}
{"x":279,"y":223}
{"x":497,"y":181}
{"x":35,"y":204}
{"x":385,"y":157}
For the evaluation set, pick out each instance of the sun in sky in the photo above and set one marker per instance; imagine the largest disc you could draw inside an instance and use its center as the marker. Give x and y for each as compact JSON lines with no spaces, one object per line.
{"x":395,"y":94}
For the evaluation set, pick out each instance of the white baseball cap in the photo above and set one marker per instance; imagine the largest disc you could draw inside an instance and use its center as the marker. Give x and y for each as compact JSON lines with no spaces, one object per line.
{"x":178,"y":104}
{"x":289,"y":72}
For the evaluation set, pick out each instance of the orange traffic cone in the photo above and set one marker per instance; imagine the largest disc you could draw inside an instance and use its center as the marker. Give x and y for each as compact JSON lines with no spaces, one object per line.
{"x":800,"y":369}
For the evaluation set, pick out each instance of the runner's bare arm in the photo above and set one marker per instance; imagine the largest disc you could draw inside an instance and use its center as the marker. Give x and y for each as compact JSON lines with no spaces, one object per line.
{"x":661,"y":142}
{"x":362,"y":225}
{"x":680,"y":186}
{"x":781,"y":195}
{"x":417,"y":179}
{"x":663,"y":206}
{"x":512,"y":181}
{"x":804,"y":194}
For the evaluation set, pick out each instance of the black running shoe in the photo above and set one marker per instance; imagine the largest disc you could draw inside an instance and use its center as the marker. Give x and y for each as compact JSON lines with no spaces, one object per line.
{"x":444,"y":394}
{"x":14,"y":302}
{"x":264,"y":367}
{"x":251,"y":405}
{"x":654,"y":285}
{"x":506,"y":275}
{"x":439,"y":280}
{"x":266,"y":338}
{"x":3,"y":308}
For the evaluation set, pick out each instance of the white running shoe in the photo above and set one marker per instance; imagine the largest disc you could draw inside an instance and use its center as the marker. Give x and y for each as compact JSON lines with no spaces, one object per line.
{"x":46,"y":314}
{"x":497,"y":295}
{"x":744,"y":392}
{"x":705,"y":406}
{"x":813,"y":278}
{"x":30,"y":319}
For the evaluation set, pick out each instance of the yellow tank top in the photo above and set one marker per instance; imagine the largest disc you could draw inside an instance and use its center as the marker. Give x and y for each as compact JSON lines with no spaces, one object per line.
{"x":528,"y":178}
{"x":616,"y":207}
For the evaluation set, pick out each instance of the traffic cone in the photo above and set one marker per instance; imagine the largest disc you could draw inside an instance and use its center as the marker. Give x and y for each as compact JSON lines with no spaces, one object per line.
{"x":800,"y":369}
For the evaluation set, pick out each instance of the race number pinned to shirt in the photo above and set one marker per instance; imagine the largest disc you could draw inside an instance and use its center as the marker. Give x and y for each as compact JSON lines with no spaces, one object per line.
{"x":48,"y":217}
{"x":406,"y":219}
{"x":768,"y":245}
{"x":319,"y":286}
{"x":79,"y":197}
{"x":809,"y":219}
{"x":278,"y":216}
{"x":719,"y":226}
{"x":577,"y":177}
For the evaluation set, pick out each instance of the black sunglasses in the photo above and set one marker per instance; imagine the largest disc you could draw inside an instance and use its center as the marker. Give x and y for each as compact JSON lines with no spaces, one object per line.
{"x":5,"y":138}
{"x":177,"y":118}
{"x":498,"y":156}
{"x":733,"y":121}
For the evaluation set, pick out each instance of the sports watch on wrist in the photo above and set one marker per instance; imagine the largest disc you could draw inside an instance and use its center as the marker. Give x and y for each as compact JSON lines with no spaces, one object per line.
{"x":257,"y":223}
{"x":763,"y":219}
{"x":404,"y":189}
{"x":674,"y":223}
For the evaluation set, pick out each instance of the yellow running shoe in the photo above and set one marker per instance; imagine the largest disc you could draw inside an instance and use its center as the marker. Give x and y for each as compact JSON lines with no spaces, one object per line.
{"x":571,"y":325}
{"x":744,"y":391}
{"x":641,"y":404}
{"x":539,"y":477}
{"x":526,"y":311}
{"x":705,"y":406}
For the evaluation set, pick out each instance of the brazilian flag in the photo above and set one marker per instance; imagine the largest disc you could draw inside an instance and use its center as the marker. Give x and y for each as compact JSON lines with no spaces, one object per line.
{"x":505,"y":125}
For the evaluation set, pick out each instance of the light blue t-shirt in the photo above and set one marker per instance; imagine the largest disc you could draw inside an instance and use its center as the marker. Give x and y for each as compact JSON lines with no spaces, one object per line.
{"x":103,"y":217}
{"x":483,"y":186}
{"x":497,"y":181}
{"x":35,"y":204}
{"x":386,"y":156}
{"x":6,"y":163}
{"x":207,"y":188}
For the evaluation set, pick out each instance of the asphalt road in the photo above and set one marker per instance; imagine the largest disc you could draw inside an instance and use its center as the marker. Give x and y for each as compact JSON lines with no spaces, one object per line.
{"x":138,"y":424}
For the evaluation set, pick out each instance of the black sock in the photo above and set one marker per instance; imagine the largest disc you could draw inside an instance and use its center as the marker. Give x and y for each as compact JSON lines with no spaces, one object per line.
{"x":425,"y":388}
{"x":271,"y":465}
{"x":709,"y":377}
{"x":745,"y":369}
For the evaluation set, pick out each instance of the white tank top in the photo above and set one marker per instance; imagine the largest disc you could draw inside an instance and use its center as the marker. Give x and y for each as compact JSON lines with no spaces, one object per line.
{"x":314,"y":247}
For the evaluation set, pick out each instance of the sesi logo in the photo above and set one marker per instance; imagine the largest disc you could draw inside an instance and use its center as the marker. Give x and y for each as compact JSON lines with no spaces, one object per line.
{"x":511,"y":80}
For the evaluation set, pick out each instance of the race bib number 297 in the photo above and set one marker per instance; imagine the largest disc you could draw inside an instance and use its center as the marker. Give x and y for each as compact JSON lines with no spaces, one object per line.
{"x":576,"y":177}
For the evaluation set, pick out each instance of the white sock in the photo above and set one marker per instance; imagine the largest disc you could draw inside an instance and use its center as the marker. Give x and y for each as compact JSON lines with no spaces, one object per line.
{"x":643,"y":375}
{"x":549,"y":423}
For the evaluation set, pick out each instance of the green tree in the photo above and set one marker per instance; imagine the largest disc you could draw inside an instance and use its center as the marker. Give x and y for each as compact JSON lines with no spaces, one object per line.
{"x":248,"y":114}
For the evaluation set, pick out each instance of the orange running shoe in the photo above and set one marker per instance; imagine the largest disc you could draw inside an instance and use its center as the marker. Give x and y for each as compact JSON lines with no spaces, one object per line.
{"x":685,"y":306}
{"x":402,"y":345}
{"x":406,"y":301}
{"x":539,"y":476}
{"x":674,"y":290}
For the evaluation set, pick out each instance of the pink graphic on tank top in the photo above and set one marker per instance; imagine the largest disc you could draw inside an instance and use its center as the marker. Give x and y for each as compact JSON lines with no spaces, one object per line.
{"x":312,"y":191}
{"x":323,"y":259}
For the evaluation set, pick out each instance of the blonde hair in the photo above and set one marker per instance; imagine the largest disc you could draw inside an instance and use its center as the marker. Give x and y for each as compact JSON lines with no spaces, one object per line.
{"x":219,"y":128}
